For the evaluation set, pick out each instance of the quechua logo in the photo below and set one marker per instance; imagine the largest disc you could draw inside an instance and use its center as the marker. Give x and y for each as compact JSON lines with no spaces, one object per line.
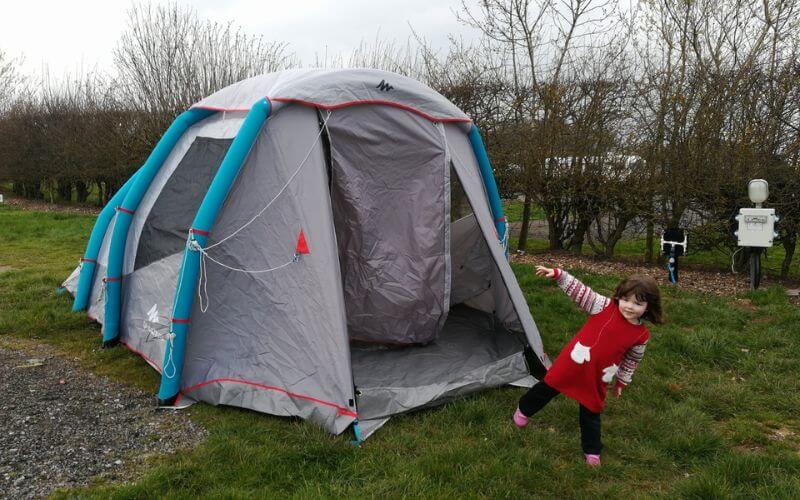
{"x":384,"y":86}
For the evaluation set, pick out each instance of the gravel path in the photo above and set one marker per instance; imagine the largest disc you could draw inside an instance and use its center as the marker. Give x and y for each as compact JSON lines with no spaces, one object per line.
{"x":62,"y":425}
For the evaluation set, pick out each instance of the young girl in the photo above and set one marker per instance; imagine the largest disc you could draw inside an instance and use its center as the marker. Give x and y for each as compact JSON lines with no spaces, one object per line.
{"x":611,"y":343}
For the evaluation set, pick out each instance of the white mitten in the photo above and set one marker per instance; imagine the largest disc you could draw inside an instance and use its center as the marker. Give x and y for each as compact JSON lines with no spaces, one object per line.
{"x":580,"y":353}
{"x":609,"y":372}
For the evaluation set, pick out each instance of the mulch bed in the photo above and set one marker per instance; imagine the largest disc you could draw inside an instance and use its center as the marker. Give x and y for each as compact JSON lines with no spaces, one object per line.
{"x":43,"y":206}
{"x":704,"y":281}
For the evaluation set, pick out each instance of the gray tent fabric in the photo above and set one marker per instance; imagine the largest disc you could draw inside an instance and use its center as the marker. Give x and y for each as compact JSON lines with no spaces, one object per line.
{"x":275,"y":342}
{"x":471,"y":261}
{"x":390,"y":194}
{"x":332,"y":89}
{"x":167,"y":225}
{"x":96,"y":308}
{"x":371,"y":190}
{"x":147,"y":306}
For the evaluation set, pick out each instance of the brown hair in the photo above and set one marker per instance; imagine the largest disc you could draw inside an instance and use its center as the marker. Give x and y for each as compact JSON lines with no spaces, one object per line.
{"x":645,"y":289}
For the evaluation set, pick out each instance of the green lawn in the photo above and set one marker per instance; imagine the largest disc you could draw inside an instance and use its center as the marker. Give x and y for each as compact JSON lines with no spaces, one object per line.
{"x":512,"y":209}
{"x":712,"y":411}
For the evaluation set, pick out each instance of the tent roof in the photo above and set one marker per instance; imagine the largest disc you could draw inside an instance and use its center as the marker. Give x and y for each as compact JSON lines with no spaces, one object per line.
{"x":330,"y":89}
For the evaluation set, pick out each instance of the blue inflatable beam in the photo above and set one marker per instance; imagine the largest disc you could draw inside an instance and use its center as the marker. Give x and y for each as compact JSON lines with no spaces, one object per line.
{"x":89,"y":260}
{"x":203,"y":221}
{"x":119,"y":237}
{"x":489,"y":182}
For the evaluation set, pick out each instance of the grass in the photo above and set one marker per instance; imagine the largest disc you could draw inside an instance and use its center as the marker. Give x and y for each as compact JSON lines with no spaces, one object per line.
{"x":512,"y":209}
{"x":712,"y":411}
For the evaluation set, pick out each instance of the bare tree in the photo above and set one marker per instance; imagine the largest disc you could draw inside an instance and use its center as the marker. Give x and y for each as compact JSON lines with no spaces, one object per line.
{"x":168,"y":58}
{"x":13,"y":83}
{"x":540,"y":41}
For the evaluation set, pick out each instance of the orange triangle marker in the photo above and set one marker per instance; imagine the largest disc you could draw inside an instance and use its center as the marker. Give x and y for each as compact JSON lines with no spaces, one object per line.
{"x":302,"y":246}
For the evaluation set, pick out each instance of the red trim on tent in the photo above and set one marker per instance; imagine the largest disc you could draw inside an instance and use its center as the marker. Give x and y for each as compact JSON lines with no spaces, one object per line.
{"x":500,"y":219}
{"x":340,"y":409}
{"x":344,"y":105}
{"x":372,"y":101}
{"x":141,"y":354}
{"x":226,"y":110}
{"x":148,"y":360}
{"x":88,"y":260}
{"x":125,"y":210}
{"x":199,"y":231}
{"x":181,"y":320}
{"x":109,"y":280}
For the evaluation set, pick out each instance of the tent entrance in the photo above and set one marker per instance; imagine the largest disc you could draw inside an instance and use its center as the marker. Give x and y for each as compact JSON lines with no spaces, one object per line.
{"x":473,"y":352}
{"x":428,"y":315}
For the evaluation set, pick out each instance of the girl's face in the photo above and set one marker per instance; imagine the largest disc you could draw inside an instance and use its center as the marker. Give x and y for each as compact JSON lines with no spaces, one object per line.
{"x":632,"y":308}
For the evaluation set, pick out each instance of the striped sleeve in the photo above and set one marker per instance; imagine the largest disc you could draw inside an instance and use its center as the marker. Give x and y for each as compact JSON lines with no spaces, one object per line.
{"x":587,"y":299}
{"x":629,"y":362}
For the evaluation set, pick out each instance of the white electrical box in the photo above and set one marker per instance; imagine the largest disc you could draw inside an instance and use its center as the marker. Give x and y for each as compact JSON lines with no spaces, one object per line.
{"x":756,"y":227}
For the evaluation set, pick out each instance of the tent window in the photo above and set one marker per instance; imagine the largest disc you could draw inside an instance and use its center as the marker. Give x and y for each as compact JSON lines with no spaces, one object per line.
{"x":167,"y":225}
{"x":459,"y":203}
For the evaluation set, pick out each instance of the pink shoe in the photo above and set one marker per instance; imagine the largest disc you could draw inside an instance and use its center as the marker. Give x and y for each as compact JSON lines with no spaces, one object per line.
{"x":592,"y":460}
{"x":520,"y":420}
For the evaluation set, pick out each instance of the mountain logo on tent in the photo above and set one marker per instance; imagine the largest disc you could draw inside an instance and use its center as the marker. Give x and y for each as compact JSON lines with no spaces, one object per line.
{"x":384,"y":86}
{"x":152,"y":325}
{"x":152,"y":314}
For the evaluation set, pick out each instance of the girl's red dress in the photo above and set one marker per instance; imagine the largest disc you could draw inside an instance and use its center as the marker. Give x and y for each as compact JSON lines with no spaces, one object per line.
{"x":609,"y":336}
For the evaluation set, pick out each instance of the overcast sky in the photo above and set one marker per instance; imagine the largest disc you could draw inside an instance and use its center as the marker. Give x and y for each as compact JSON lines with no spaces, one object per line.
{"x":67,"y":36}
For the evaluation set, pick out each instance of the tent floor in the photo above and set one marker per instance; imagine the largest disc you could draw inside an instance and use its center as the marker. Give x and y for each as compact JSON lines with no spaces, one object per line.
{"x":472,"y":352}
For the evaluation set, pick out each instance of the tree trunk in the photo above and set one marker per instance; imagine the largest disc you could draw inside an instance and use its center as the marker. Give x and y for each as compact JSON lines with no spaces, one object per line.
{"x":64,"y":188}
{"x":101,"y":193}
{"x":33,"y":190}
{"x":81,"y":191}
{"x":648,"y":251}
{"x":789,"y":244}
{"x":553,"y":234}
{"x":526,"y":217}
{"x":615,"y":236}
{"x":576,"y":242}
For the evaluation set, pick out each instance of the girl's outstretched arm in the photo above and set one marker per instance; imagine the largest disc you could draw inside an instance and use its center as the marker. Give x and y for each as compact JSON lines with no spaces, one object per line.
{"x":587,"y":299}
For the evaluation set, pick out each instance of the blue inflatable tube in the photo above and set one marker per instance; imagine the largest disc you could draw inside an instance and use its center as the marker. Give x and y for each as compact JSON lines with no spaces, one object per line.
{"x":488,"y":181}
{"x":119,"y":237}
{"x":89,"y":260}
{"x":203,"y":221}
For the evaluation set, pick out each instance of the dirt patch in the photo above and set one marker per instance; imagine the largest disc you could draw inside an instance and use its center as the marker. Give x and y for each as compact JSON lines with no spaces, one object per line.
{"x":746,"y":304}
{"x":42,"y":206}
{"x":781,"y":434}
{"x":749,"y":449}
{"x":5,"y":268}
{"x":704,"y":281}
{"x":62,"y":426}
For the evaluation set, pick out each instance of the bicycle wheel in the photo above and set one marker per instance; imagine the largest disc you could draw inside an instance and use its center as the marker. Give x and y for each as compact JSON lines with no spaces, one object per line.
{"x":755,"y":268}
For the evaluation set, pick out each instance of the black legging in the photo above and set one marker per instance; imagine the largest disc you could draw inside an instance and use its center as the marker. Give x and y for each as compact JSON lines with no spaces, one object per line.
{"x":541,"y":394}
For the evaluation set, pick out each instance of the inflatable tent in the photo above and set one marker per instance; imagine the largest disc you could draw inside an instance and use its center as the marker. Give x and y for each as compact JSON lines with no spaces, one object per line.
{"x":288,"y":248}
